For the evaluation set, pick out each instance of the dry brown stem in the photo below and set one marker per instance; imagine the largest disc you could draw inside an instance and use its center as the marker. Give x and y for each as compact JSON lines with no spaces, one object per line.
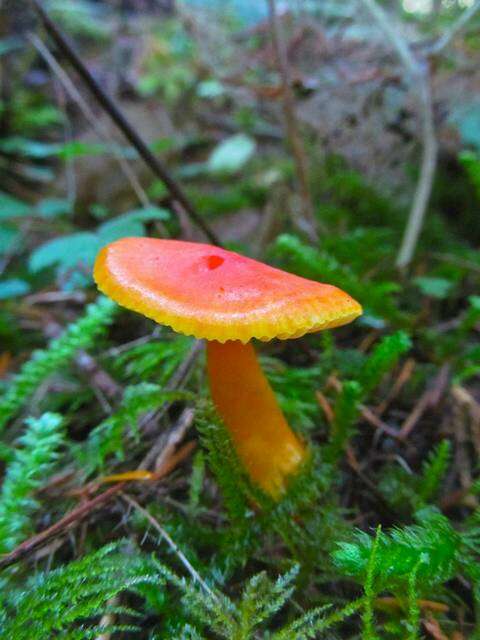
{"x":307,"y":222}
{"x":84,"y":510}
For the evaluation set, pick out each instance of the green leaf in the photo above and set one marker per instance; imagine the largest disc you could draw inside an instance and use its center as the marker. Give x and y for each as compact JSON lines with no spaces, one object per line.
{"x":29,"y":148}
{"x":11,"y":207}
{"x":117,"y":228}
{"x":434,"y":287}
{"x":80,"y":249}
{"x":471,"y":164}
{"x":53,"y":207}
{"x":13,"y":288}
{"x":210,"y":89}
{"x":231,"y":154}
{"x":147,"y":214}
{"x":68,"y":251}
{"x":9,"y":44}
{"x":78,"y":149}
{"x":9,"y":237}
{"x":129,"y":224}
{"x":467,"y":119}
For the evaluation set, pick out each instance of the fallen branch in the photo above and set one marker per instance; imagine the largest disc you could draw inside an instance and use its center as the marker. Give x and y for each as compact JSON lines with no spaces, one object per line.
{"x":100,"y":380}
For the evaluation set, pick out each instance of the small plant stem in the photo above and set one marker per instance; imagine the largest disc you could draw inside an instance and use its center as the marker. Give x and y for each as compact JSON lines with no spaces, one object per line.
{"x":368,"y":617}
{"x":425,"y":181}
{"x":455,"y":28}
{"x":97,"y":125}
{"x":308,"y":222}
{"x":413,"y":605}
{"x":419,"y":77}
{"x":122,"y":123}
{"x":173,"y":546}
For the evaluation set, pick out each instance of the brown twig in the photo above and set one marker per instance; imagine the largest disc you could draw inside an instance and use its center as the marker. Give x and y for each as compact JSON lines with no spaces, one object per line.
{"x":164,"y":447}
{"x":430,"y":398}
{"x":367,"y":414}
{"x":77,"y":515}
{"x":70,"y":520}
{"x":98,"y":378}
{"x":122,"y":123}
{"x":425,"y":181}
{"x":400,"y":381}
{"x":308,"y":221}
{"x":150,"y":420}
{"x":395,"y":603}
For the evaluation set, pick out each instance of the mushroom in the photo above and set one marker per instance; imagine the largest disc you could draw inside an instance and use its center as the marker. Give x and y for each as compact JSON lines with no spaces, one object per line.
{"x":228,"y":299}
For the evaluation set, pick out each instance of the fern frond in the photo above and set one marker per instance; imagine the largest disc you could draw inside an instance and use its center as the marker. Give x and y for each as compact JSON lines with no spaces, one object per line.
{"x":196,"y":480}
{"x":45,"y":362}
{"x":434,"y":470}
{"x":433,"y":545}
{"x":107,"y":438}
{"x":187,"y":633}
{"x":314,"y":622}
{"x":28,"y":469}
{"x":156,"y":360}
{"x":368,"y":617}
{"x":384,"y":357}
{"x":212,"y":609}
{"x":261,"y":599}
{"x":376,"y":296}
{"x":413,"y":620}
{"x":346,"y":411}
{"x":75,"y":593}
{"x":224,"y":463}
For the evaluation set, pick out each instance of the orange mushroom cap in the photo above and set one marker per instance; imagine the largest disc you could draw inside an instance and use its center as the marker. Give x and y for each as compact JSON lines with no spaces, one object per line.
{"x":208,"y":292}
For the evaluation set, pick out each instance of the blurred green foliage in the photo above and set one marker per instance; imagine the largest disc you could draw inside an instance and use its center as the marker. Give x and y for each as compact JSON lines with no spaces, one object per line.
{"x":238,"y":565}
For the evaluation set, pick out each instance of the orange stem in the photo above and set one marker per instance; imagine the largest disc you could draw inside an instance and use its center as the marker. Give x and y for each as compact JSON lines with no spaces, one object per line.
{"x":264,"y":442}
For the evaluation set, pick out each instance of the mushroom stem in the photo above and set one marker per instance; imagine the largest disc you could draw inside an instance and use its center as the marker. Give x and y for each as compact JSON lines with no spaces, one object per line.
{"x":264,"y":442}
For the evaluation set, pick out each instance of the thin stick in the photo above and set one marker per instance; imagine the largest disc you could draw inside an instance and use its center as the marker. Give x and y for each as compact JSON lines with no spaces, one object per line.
{"x":173,"y":546}
{"x":70,"y":520}
{"x":122,"y":123}
{"x":419,"y":76}
{"x":164,"y":447}
{"x":308,"y":223}
{"x":394,"y":37}
{"x":425,"y":181}
{"x":457,"y":26}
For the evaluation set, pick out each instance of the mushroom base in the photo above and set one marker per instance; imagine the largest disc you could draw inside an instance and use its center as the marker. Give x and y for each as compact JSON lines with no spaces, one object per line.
{"x":264,"y":442}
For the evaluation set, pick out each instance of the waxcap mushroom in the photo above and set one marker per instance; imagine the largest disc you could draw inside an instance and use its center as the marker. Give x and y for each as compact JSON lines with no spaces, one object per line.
{"x":208,"y":292}
{"x":228,"y":299}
